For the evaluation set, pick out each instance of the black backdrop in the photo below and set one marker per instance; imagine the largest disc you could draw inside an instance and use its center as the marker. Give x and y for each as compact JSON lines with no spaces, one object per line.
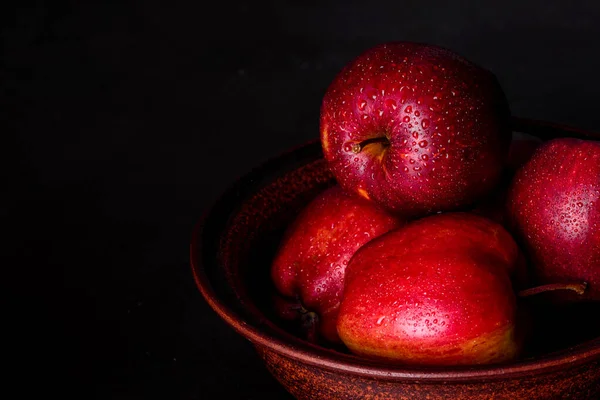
{"x":123,"y":121}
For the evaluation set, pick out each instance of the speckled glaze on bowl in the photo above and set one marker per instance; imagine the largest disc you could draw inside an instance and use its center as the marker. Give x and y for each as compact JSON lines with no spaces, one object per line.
{"x":231,"y":251}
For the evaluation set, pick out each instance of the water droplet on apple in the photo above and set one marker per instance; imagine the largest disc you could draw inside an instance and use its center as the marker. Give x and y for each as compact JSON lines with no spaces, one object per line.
{"x":423,"y":143}
{"x":408,"y":109}
{"x":380,"y":320}
{"x":417,"y":168}
{"x":415,"y":134}
{"x":355,"y":159}
{"x":417,"y":113}
{"x":365,"y":116}
{"x":411,"y":161}
{"x":425,"y":157}
{"x":348,"y":147}
{"x":406,"y":119}
{"x":579,"y":204}
{"x":405,"y":169}
{"x":391,"y":103}
{"x":425,"y":123}
{"x":362,"y":105}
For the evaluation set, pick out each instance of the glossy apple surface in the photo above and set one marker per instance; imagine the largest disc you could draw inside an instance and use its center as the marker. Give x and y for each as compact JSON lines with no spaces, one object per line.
{"x":310,"y":265}
{"x":415,"y":128}
{"x":437,"y":291}
{"x":554,"y":208}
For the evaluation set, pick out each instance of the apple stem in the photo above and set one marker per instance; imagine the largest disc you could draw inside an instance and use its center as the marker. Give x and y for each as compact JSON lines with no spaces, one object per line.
{"x":578,"y":288}
{"x":357,"y":147}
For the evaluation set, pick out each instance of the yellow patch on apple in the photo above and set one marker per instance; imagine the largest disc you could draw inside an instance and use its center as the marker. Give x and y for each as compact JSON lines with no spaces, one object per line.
{"x":363,"y":193}
{"x":325,"y":139}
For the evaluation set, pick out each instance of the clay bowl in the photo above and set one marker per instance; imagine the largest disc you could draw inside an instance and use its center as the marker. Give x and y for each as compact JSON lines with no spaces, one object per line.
{"x":231,"y":252}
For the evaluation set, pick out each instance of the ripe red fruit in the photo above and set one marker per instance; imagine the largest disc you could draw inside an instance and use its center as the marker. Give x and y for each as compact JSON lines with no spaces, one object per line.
{"x":437,"y":291}
{"x":416,"y":128}
{"x":554,"y":209}
{"x":310,"y":265}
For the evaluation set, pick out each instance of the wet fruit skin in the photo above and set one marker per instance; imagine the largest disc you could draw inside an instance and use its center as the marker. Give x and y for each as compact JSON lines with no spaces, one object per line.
{"x":440,"y":126}
{"x":436,"y":291}
{"x":309,"y":267}
{"x":554,"y":210}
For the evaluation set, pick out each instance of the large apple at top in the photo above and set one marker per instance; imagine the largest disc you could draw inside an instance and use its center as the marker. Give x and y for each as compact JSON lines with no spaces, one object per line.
{"x":416,"y":128}
{"x":554,"y":209}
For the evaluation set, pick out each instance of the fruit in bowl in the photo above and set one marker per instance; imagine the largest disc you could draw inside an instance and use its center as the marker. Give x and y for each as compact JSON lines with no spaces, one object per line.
{"x":464,"y":268}
{"x":554,"y":208}
{"x":416,"y":128}
{"x":309,"y":268}
{"x":233,"y":244}
{"x":436,"y":292}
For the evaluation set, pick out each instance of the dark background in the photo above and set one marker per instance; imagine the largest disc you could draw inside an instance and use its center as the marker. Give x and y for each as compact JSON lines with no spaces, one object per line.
{"x":122,"y":122}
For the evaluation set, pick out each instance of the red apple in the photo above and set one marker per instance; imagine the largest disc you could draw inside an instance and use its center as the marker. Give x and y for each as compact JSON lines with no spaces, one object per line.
{"x":554,"y":209}
{"x":437,"y":291}
{"x":415,"y":128}
{"x":310,"y":264}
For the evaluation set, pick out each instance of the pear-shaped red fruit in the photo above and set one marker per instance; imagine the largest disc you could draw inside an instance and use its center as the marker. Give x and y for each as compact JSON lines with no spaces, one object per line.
{"x":415,"y":128}
{"x":437,"y":291}
{"x":309,"y":267}
{"x":554,"y":209}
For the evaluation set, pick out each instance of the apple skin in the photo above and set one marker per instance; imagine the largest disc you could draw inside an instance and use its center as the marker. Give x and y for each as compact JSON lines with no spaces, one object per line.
{"x":436,"y":291}
{"x":309,"y":267}
{"x":442,"y":123}
{"x":554,"y":210}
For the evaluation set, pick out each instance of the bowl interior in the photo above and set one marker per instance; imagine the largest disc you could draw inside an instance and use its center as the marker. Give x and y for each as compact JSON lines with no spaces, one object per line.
{"x":232,"y":251}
